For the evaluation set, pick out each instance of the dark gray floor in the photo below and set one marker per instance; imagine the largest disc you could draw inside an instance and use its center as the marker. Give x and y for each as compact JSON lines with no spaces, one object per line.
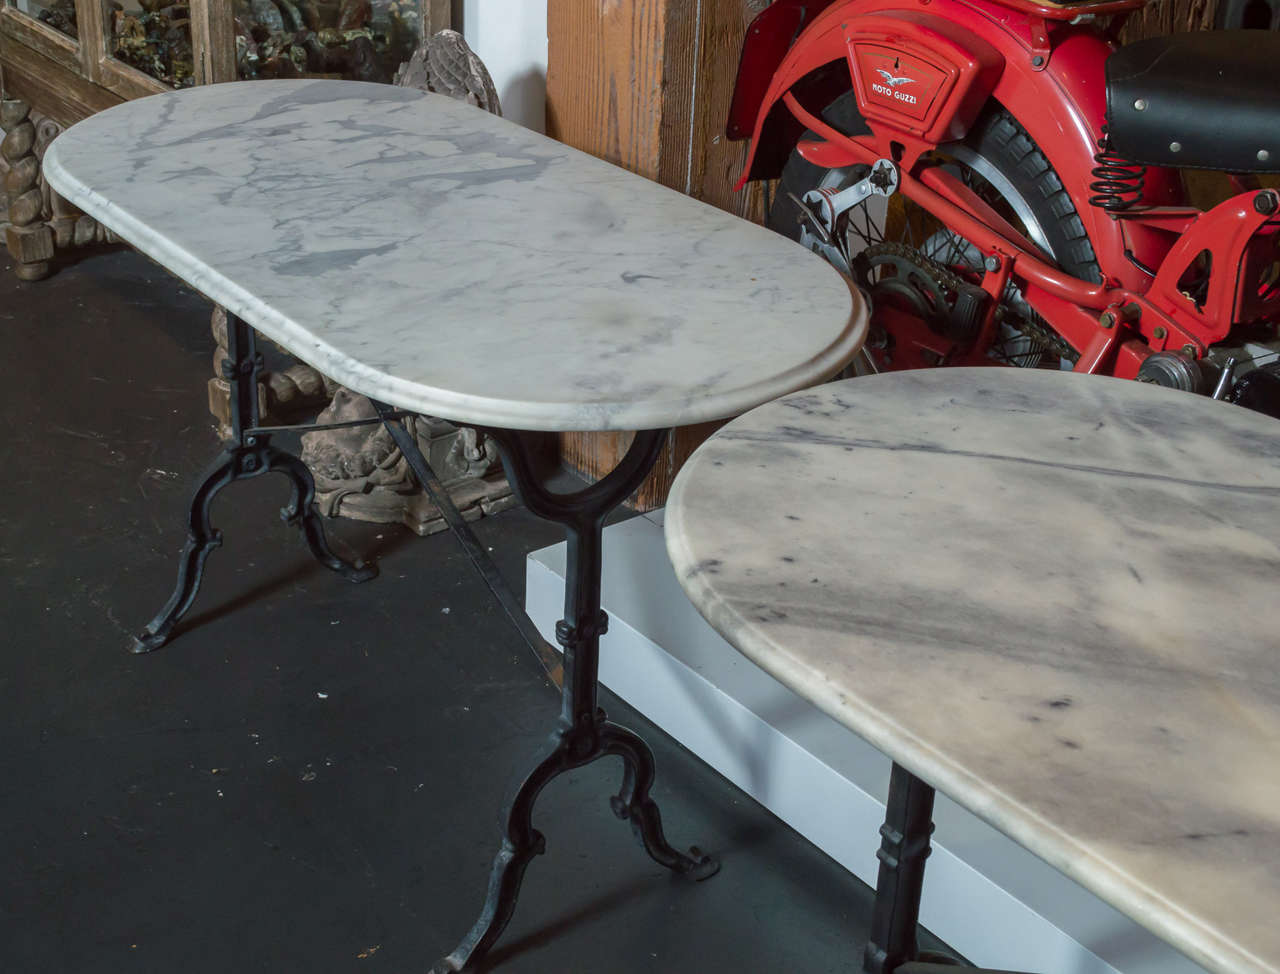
{"x":309,"y":777}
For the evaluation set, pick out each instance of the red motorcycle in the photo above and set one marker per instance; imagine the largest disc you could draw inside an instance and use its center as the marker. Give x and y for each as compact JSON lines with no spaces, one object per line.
{"x":1003,"y":181}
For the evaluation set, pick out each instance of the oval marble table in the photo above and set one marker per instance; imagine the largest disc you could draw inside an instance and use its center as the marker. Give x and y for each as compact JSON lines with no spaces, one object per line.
{"x":1053,"y":597}
{"x":444,"y":261}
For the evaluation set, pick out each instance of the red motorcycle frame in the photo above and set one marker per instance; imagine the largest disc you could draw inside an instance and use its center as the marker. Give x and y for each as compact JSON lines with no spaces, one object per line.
{"x":1049,"y":73}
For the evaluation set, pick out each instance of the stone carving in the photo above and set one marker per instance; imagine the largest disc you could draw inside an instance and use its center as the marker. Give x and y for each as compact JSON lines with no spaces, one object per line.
{"x":29,"y":240}
{"x":446,"y":64}
{"x":361,"y":474}
{"x":38,"y":219}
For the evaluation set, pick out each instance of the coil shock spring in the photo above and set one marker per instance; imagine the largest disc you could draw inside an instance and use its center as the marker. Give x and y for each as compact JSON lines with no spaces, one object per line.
{"x":1117,"y":182}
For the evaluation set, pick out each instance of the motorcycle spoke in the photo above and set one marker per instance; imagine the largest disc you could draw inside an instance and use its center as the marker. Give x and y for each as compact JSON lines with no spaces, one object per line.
{"x":866,"y":223}
{"x":956,"y":251}
{"x":879,"y":230}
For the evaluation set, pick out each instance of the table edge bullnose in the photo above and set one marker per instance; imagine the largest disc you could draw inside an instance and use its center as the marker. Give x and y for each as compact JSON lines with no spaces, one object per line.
{"x":465,"y":408}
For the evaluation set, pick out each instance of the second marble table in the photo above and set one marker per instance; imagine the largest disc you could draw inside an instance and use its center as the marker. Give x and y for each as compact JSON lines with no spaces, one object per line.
{"x":444,"y":261}
{"x":1050,"y":596}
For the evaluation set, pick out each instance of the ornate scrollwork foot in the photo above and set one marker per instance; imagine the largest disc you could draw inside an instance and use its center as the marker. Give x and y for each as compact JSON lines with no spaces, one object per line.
{"x":202,"y":538}
{"x":578,"y":744}
{"x":248,"y":454}
{"x":300,"y":511}
{"x":241,"y":463}
{"x":634,"y":804}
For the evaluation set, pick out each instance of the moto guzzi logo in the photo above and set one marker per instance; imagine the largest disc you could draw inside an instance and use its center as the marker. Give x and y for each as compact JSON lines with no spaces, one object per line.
{"x":891,"y":85}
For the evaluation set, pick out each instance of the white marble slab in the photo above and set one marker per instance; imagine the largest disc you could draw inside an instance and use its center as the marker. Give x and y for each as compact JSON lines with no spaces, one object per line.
{"x":449,"y":262}
{"x":1053,"y":597}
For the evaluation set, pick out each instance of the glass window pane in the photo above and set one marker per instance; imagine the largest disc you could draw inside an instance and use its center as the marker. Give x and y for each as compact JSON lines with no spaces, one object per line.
{"x":153,"y":36}
{"x":365,"y":40}
{"x":58,"y":14}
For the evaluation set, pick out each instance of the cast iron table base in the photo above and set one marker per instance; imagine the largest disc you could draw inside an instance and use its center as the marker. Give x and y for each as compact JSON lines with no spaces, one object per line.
{"x":904,"y":847}
{"x":585,"y":733}
{"x":249,"y":453}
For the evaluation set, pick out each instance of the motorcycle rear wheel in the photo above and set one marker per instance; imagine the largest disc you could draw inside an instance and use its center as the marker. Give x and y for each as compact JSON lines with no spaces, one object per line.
{"x":1000,"y":161}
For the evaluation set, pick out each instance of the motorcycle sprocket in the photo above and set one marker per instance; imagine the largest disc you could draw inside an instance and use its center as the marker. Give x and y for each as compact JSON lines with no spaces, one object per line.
{"x":936,"y":301}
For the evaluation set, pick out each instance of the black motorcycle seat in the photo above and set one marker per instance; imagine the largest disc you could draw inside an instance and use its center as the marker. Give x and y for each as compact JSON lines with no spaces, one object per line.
{"x":1208,"y":100}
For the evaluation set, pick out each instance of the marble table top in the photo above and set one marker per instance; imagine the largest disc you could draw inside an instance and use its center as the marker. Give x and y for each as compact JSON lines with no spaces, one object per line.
{"x":1055,"y":598}
{"x":444,"y":260}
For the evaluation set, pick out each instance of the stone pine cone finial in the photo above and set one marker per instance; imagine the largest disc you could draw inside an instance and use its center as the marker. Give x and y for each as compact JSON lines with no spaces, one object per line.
{"x":445,"y":63}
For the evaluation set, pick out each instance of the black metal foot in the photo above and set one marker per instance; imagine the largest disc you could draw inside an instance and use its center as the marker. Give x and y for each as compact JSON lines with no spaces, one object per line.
{"x":248,"y":454}
{"x":301,"y":512}
{"x":585,"y":733}
{"x":202,"y":538}
{"x":633,"y":803}
{"x":574,"y":746}
{"x":241,"y":463}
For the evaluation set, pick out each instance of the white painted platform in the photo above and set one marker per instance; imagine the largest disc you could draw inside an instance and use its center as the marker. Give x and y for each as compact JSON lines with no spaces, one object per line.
{"x":988,"y":898}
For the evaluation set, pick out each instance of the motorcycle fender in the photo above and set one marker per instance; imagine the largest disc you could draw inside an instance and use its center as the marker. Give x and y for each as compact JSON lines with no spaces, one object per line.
{"x":913,"y":72}
{"x":769,"y":37}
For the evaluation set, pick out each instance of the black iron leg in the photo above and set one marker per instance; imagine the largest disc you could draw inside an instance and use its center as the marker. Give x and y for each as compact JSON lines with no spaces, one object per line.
{"x":585,"y":733}
{"x":904,"y":847}
{"x":633,"y":803}
{"x":301,"y":512}
{"x":247,"y":454}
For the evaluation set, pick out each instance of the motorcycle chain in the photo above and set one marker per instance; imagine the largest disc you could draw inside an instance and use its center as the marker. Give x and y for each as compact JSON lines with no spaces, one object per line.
{"x":1036,"y":329}
{"x":1039,"y":332}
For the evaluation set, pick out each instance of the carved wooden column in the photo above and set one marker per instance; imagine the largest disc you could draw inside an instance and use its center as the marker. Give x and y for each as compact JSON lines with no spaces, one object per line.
{"x":29,"y":239}
{"x":39,"y":220}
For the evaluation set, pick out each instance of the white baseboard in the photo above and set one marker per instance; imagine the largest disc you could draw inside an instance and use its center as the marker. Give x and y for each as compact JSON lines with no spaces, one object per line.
{"x":987,"y":897}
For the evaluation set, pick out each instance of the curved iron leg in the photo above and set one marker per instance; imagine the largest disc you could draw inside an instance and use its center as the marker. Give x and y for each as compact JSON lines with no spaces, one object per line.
{"x":574,"y":747}
{"x":202,"y":538}
{"x":585,"y":733}
{"x":520,"y":844}
{"x":633,"y":802}
{"x":242,"y":463}
{"x":247,"y":454}
{"x":301,"y":512}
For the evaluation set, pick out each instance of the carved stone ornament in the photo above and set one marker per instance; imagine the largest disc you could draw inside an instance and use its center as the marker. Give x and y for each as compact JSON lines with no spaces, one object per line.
{"x":36,"y":219}
{"x":361,"y":474}
{"x":446,"y":64}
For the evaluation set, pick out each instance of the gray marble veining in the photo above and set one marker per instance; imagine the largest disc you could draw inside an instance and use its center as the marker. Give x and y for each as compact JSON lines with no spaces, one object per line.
{"x":447,"y":261}
{"x":1056,"y":598}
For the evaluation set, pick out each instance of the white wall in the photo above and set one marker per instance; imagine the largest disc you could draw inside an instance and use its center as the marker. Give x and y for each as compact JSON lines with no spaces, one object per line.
{"x":511,"y":38}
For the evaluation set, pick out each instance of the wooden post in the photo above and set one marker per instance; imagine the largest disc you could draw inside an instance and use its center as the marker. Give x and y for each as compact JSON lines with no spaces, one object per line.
{"x":437,"y":15}
{"x":213,"y":38}
{"x":93,"y":30}
{"x":646,"y":85}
